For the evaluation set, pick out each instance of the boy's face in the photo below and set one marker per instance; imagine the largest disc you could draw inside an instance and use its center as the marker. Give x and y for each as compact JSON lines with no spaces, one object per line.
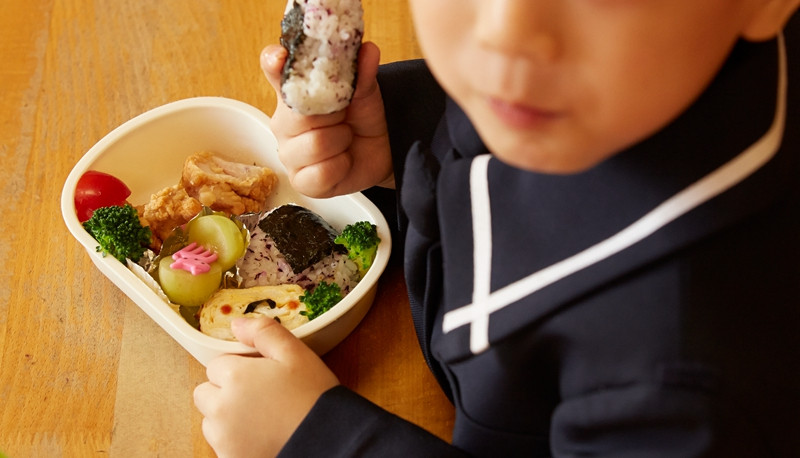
{"x":559,"y":85}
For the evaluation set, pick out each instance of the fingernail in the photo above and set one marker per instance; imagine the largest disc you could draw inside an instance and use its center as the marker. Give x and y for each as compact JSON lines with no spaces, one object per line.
{"x":272,"y":55}
{"x":269,"y":58}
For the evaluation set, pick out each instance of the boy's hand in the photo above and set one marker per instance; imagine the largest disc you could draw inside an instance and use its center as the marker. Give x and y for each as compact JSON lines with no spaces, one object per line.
{"x":252,"y":405}
{"x":338,"y":153}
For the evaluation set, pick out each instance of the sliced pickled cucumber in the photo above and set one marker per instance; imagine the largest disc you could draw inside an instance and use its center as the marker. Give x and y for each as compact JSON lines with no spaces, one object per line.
{"x":184,"y":288}
{"x":220,"y":235}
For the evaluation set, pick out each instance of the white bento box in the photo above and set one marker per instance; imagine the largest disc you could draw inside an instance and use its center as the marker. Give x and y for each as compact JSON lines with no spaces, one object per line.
{"x":147,"y":153}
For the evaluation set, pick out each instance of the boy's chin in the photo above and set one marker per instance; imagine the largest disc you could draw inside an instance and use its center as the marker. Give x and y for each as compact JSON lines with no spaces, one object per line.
{"x":545,"y":160}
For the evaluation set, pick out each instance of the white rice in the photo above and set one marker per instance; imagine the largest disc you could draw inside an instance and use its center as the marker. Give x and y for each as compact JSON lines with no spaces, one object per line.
{"x":264,"y":265}
{"x":322,"y":75}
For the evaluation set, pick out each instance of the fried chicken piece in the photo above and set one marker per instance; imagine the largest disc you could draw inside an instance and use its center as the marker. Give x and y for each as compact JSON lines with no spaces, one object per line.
{"x":230,"y":187}
{"x":166,"y":210}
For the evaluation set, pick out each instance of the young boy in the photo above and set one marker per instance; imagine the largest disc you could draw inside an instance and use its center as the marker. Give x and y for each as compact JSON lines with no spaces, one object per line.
{"x":602,"y":235}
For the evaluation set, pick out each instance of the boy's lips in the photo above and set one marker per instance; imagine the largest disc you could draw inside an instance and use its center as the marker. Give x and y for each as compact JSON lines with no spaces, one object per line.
{"x":521,"y":116}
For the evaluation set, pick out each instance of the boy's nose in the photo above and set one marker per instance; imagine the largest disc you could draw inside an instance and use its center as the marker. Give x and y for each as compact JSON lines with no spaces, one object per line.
{"x":520,"y":27}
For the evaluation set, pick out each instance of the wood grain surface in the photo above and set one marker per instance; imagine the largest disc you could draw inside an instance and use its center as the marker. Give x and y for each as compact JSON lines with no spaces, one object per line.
{"x":83,"y":371}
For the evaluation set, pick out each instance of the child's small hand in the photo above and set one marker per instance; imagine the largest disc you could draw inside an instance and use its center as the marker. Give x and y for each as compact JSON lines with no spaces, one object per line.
{"x":339,"y":153}
{"x":252,"y":405}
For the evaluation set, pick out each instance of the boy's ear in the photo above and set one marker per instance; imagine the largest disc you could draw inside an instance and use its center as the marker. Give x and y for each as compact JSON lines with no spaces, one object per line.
{"x":768,"y":19}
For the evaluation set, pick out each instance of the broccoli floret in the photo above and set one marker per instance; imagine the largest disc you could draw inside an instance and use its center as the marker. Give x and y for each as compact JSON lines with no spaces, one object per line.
{"x":361,"y":240}
{"x":118,"y":231}
{"x":324,"y":296}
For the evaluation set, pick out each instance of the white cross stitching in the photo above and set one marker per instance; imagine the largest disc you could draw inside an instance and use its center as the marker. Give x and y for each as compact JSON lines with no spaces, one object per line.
{"x":482,"y":250}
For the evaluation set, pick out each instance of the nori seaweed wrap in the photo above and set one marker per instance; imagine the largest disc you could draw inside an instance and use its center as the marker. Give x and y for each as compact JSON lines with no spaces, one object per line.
{"x":301,"y":235}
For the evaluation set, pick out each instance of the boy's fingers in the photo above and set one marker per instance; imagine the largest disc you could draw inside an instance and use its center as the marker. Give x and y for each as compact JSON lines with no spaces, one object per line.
{"x":369,"y":57}
{"x":317,"y":145}
{"x":272,"y":59}
{"x":289,"y":123}
{"x":267,"y":336}
{"x":203,"y":393}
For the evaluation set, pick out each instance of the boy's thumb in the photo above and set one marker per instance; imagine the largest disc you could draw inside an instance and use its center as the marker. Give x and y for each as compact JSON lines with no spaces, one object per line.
{"x":272,"y":60}
{"x":369,"y":57}
{"x":267,"y":336}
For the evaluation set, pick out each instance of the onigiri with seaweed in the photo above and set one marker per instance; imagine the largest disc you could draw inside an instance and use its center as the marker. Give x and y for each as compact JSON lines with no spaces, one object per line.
{"x":323,"y":38}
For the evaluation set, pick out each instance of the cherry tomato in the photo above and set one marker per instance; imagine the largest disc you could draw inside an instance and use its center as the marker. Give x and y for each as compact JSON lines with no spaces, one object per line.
{"x":96,"y":190}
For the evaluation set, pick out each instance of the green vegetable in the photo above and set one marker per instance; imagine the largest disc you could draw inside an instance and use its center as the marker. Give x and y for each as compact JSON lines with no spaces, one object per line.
{"x":183,"y":287}
{"x":361,"y":240}
{"x":320,"y":299}
{"x":219,"y":234}
{"x":118,"y":231}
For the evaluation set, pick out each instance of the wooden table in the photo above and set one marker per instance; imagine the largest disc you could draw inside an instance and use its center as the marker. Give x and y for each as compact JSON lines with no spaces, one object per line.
{"x":83,"y":371}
